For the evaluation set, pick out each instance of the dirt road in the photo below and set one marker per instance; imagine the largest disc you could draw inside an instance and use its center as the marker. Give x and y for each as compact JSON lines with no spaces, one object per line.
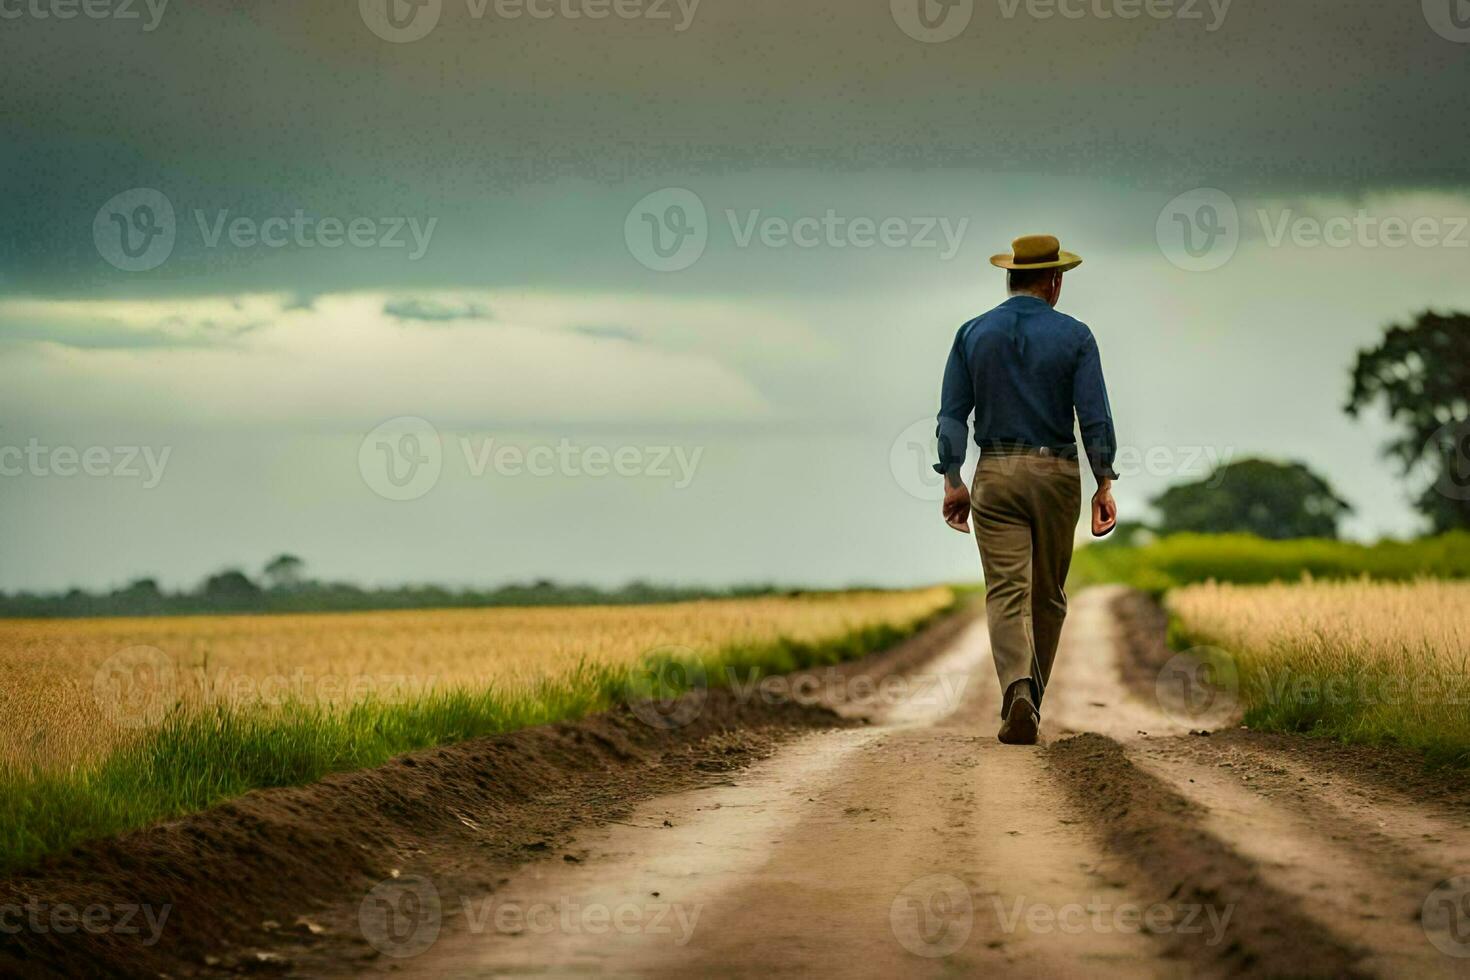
{"x":918,"y":845}
{"x":855,"y":821}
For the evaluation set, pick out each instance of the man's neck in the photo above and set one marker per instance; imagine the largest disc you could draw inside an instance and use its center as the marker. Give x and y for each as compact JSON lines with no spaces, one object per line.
{"x":1030,"y":294}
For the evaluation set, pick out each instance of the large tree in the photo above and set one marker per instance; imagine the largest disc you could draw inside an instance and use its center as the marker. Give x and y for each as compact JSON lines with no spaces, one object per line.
{"x":1254,"y":496}
{"x":1421,"y":373}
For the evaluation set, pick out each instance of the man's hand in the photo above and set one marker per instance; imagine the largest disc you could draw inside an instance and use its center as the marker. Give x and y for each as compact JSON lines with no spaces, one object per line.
{"x":1104,"y":510}
{"x":956,"y":507}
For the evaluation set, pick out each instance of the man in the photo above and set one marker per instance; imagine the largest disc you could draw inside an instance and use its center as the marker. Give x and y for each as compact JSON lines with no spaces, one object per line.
{"x":1023,"y":368}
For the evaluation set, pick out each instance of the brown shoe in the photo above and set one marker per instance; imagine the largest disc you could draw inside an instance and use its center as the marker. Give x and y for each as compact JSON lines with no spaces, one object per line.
{"x":1021,"y":722}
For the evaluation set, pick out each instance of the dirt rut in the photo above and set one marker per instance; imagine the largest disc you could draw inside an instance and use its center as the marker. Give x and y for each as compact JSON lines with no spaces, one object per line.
{"x":879,"y":831}
{"x":920,"y":846}
{"x":900,"y":849}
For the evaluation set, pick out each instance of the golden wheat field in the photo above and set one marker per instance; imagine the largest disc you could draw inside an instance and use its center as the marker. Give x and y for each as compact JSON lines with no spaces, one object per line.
{"x":52,"y":671}
{"x":1389,"y":624}
{"x":1368,"y":661}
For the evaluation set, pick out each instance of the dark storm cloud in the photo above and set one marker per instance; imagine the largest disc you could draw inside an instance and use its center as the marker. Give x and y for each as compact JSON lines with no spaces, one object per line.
{"x":261,"y":109}
{"x":607,"y":333}
{"x":435,"y":311}
{"x":299,"y":301}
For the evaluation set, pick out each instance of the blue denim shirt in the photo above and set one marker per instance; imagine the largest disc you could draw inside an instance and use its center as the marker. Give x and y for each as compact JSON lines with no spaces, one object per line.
{"x":1023,"y":368}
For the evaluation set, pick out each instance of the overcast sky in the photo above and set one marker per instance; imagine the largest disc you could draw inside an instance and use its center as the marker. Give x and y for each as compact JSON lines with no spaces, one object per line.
{"x":600,"y":289}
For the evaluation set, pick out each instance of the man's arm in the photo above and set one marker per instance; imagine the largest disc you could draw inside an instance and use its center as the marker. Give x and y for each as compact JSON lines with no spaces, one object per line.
{"x":956,"y":402}
{"x":1095,"y":419}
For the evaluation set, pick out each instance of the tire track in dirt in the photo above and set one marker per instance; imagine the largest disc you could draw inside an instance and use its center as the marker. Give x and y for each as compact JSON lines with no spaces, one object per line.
{"x":1335,"y":865}
{"x":914,"y":845}
{"x":920,"y":847}
{"x":1178,"y":859}
{"x":1346,"y":863}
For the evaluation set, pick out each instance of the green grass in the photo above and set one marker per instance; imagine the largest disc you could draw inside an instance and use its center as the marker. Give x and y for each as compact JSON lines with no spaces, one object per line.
{"x":1309,"y":682}
{"x":1187,"y":558}
{"x":195,"y":760}
{"x":1413,"y":701}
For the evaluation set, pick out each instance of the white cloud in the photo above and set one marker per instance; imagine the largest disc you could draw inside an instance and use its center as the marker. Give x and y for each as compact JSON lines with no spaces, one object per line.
{"x":346,"y":360}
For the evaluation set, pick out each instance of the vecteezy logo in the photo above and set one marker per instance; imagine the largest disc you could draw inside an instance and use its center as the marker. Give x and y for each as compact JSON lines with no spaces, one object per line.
{"x":668,"y":688}
{"x":668,"y":230}
{"x":1200,"y":687}
{"x":135,"y":687}
{"x":402,"y":458}
{"x":400,"y":21}
{"x":1452,"y":443}
{"x":400,"y":917}
{"x":1445,"y":916}
{"x":932,"y":916}
{"x":1450,"y":19}
{"x":1199,"y":230}
{"x":911,"y":459}
{"x":932,"y":21}
{"x":135,"y":230}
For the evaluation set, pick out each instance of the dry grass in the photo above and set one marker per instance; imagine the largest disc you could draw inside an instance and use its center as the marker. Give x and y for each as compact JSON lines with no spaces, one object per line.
{"x":52,"y":712}
{"x":1368,"y":661}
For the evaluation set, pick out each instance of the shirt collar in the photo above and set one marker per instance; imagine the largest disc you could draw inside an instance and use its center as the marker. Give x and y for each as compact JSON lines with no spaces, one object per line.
{"x":1021,"y":300}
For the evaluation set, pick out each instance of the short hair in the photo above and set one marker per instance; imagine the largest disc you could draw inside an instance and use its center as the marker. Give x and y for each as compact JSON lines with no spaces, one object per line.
{"x":1025,"y":280}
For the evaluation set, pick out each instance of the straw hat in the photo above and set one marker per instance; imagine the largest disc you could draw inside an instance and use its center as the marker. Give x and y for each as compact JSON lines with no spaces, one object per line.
{"x":1037,"y":252}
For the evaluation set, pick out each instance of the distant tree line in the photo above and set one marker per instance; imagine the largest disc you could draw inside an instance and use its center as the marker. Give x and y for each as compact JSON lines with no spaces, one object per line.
{"x":283,"y":587}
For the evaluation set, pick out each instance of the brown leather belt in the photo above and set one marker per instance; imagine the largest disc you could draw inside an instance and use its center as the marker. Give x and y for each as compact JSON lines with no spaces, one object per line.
{"x":1020,"y":449}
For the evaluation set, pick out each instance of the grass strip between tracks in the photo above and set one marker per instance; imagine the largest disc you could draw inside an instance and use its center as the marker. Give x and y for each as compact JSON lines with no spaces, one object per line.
{"x":196,"y":759}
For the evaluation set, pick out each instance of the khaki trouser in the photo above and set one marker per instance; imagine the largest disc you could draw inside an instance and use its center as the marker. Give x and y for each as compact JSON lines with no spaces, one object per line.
{"x":1025,"y":511}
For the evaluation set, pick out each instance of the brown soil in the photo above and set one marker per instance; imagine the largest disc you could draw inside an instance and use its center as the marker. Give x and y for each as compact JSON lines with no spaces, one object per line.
{"x":893,"y":840}
{"x":1143,"y":640}
{"x":255,"y":884}
{"x":1351,"y":838}
{"x":1144,"y":649}
{"x":798,"y":865}
{"x":1160,"y":833}
{"x":907,"y":847}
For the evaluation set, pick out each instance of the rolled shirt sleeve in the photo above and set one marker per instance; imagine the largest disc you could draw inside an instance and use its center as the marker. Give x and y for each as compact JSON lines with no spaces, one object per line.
{"x":956,"y":402}
{"x":1094,"y":414}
